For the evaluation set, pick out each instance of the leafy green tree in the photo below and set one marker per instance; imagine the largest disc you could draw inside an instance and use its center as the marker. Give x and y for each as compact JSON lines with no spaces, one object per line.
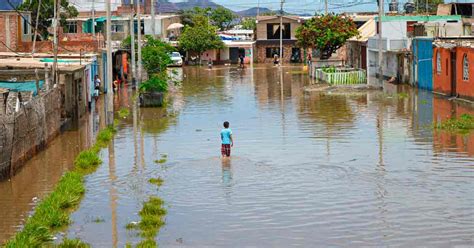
{"x":199,"y":38}
{"x":189,"y":16}
{"x":155,"y":59}
{"x":222,"y":17}
{"x":327,"y":33}
{"x":427,"y":6}
{"x":249,"y":23}
{"x":47,"y":13}
{"x":156,"y":55}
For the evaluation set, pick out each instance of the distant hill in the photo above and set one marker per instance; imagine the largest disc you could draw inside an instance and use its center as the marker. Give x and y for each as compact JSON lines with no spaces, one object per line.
{"x":196,"y":3}
{"x":253,"y":11}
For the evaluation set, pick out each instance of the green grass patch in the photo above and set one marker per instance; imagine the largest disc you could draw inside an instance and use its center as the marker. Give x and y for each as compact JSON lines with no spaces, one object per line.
{"x":131,"y":225}
{"x":147,"y":243}
{"x":123,"y":113}
{"x":52,"y":213}
{"x":105,"y":136}
{"x":151,"y":214}
{"x":73,"y":243}
{"x":161,"y":161}
{"x":87,"y":160}
{"x":98,"y":219}
{"x":402,"y":95}
{"x":463,"y":124}
{"x":156,"y":181}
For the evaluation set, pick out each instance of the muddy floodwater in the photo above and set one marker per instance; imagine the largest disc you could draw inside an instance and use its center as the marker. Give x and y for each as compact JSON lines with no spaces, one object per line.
{"x":308,"y":169}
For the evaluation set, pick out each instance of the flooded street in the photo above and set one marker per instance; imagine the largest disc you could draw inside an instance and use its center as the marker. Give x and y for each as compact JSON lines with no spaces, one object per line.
{"x":307,"y":168}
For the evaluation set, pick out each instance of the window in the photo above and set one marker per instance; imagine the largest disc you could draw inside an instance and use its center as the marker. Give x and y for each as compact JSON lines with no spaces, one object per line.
{"x":26,"y":25}
{"x":117,"y":28}
{"x":438,"y":62}
{"x":447,"y":67}
{"x":465,"y":68}
{"x":70,"y":27}
{"x":273,"y":31}
{"x":271,"y":51}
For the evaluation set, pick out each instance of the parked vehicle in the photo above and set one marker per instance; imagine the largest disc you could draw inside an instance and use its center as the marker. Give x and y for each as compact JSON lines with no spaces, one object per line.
{"x":176,"y":59}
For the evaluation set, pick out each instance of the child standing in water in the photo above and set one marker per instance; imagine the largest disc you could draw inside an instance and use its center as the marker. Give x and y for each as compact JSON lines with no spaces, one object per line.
{"x":227,"y":141}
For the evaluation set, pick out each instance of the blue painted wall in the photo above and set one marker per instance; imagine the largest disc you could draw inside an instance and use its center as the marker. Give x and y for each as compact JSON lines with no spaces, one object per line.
{"x":423,"y":62}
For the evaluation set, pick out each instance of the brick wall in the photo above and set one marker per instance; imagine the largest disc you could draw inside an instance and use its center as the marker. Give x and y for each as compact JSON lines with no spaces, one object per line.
{"x":9,"y":34}
{"x":262,"y":52}
{"x":27,"y":131}
{"x":70,"y":46}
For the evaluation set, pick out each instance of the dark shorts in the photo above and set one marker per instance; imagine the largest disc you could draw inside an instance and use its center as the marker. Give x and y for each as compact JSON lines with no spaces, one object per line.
{"x":225,"y":150}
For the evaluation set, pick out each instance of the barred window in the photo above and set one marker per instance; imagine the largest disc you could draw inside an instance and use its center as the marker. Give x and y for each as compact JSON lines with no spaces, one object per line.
{"x":438,"y":63}
{"x":465,"y":67}
{"x":70,"y":27}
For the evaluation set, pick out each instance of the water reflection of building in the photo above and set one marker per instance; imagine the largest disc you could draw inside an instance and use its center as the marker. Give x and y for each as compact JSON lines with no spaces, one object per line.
{"x":268,"y":87}
{"x":444,"y":109}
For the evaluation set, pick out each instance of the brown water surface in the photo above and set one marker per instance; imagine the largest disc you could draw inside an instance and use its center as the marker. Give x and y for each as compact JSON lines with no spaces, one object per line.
{"x":308,"y":169}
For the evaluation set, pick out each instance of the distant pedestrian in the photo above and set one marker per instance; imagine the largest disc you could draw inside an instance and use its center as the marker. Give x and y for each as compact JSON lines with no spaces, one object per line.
{"x":227,"y":140}
{"x":276,"y":59}
{"x":96,"y":87}
{"x":241,"y":60}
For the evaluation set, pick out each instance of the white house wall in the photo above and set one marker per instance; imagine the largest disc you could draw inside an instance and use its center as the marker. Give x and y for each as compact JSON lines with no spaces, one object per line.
{"x":394,"y":29}
{"x":158,"y":27}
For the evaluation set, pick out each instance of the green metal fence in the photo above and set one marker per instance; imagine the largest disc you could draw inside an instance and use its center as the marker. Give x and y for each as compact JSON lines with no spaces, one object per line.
{"x":341,"y":76}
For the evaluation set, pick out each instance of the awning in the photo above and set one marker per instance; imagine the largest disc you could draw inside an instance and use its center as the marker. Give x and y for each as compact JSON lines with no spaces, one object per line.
{"x":175,"y":26}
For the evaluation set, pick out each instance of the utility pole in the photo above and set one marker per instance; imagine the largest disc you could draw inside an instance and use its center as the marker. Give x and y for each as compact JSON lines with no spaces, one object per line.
{"x":381,"y":13}
{"x":139,"y":38}
{"x":36,"y":30}
{"x":326,"y":7}
{"x":93,"y":22}
{"x":110,"y":91}
{"x":55,"y":43}
{"x":132,"y":35}
{"x":258,"y":8}
{"x":281,"y":31}
{"x":153,"y":24}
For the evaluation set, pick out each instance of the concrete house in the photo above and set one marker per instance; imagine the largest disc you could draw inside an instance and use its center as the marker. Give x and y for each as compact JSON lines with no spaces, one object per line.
{"x":15,"y":30}
{"x":453,"y":68}
{"x":268,"y":38}
{"x":397,"y":34}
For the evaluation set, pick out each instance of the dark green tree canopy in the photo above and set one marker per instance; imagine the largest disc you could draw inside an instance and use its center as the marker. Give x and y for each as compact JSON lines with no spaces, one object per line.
{"x":427,"y":6}
{"x":200,"y":37}
{"x":249,"y":23}
{"x":156,"y":55}
{"x":327,"y":33}
{"x":46,"y":11}
{"x":222,"y":17}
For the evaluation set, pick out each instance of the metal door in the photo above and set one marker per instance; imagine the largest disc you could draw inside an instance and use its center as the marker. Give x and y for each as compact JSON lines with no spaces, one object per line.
{"x":423,"y":54}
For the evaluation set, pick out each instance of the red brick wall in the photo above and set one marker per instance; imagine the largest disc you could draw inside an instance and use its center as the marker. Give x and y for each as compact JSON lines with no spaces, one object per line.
{"x":442,"y":80}
{"x":464,"y":88}
{"x":70,"y":46}
{"x":12,"y":29}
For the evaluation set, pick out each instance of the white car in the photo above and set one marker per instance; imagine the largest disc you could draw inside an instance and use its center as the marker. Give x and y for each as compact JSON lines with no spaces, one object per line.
{"x":176,"y":59}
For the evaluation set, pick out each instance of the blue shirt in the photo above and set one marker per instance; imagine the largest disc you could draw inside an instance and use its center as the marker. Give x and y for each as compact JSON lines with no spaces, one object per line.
{"x":225,"y":136}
